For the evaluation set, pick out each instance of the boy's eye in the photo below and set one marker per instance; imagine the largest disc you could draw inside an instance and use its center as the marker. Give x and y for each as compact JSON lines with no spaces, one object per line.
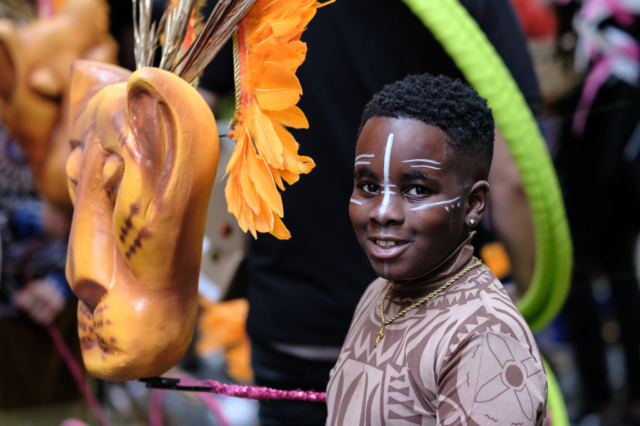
{"x":418,"y":191}
{"x":369,"y":188}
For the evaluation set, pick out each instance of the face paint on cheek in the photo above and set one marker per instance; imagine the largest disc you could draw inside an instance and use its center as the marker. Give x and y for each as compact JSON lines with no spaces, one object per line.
{"x":386,"y":184}
{"x":439,"y":203}
{"x":355,"y":202}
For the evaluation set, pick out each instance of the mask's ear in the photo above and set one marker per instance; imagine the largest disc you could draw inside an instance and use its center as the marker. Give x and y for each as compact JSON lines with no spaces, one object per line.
{"x":154,"y":126}
{"x":8,"y":33}
{"x":176,"y":139}
{"x":87,"y":79}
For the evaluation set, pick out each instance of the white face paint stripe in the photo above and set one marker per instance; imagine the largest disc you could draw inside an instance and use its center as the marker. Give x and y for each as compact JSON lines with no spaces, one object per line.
{"x":356,"y":202}
{"x":362,"y":162}
{"x":365,"y":156}
{"x":439,"y":203}
{"x":421,"y":160}
{"x":386,"y":183}
{"x":428,"y":167}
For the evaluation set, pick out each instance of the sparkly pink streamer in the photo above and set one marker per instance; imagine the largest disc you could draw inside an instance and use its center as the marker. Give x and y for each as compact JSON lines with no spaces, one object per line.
{"x":596,"y":78}
{"x":260,"y":393}
{"x":44,"y":8}
{"x":77,"y":374}
{"x":593,"y":8}
{"x":157,"y":398}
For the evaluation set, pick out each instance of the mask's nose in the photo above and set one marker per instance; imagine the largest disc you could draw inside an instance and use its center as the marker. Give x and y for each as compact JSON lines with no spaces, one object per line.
{"x":90,"y":292}
{"x":90,"y":259}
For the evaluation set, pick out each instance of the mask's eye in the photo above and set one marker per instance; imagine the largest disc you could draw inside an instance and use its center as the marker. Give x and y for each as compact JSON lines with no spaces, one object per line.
{"x":112,"y":172}
{"x":73,"y":165}
{"x":44,"y":82}
{"x":418,"y":191}
{"x":369,"y":188}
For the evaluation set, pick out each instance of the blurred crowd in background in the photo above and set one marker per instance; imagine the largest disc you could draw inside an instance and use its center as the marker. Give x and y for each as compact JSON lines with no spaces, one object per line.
{"x":586,"y":56}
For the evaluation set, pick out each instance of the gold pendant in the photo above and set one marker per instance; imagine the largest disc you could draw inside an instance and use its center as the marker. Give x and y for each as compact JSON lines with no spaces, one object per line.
{"x":380,"y":336}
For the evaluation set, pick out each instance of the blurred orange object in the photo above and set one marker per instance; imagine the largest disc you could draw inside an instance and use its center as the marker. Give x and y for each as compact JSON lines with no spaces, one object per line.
{"x":222,"y":327}
{"x":495,"y":257}
{"x":35,"y":79}
{"x":537,"y":18}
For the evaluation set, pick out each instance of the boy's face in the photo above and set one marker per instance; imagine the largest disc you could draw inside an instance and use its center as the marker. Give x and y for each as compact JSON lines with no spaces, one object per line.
{"x":410,"y":202}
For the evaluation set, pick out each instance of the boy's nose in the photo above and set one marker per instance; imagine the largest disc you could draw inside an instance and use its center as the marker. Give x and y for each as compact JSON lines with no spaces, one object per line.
{"x":388,"y":210}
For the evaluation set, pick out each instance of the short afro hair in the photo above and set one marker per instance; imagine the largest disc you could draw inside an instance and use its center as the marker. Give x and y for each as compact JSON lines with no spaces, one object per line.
{"x":449,"y":104}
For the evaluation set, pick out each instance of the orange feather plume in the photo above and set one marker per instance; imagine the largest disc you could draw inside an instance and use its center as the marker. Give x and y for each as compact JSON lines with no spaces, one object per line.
{"x":267,"y":51}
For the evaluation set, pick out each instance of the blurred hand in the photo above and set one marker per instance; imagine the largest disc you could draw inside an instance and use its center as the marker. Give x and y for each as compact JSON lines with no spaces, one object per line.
{"x":41,"y":300}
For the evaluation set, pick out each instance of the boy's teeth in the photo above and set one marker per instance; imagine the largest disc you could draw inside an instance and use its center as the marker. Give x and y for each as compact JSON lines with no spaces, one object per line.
{"x":385,"y":243}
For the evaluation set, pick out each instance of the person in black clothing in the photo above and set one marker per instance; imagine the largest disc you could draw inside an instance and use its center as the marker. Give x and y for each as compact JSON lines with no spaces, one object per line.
{"x":303,"y":292}
{"x":599,"y":175}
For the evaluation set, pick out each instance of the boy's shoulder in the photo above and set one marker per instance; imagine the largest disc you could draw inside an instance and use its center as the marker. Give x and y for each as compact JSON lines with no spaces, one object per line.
{"x":480,"y":307}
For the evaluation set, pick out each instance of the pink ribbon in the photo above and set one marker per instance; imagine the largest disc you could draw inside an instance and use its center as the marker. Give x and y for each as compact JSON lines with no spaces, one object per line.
{"x":592,"y":9}
{"x":77,"y":374}
{"x":261,"y":393}
{"x":239,"y":391}
{"x":598,"y":75}
{"x":158,"y":395}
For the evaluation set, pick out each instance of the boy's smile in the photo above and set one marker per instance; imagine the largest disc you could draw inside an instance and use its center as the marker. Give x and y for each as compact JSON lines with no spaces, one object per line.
{"x":410,"y":197}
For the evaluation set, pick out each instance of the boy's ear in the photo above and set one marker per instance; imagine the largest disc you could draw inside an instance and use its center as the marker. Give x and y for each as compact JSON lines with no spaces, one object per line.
{"x":477,"y":203}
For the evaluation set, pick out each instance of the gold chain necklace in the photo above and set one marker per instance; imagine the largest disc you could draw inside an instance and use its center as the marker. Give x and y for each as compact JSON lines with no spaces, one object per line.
{"x":386,"y":322}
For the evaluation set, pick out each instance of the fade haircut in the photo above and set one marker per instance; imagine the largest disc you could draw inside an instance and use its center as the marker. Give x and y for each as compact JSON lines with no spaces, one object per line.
{"x":449,"y":104}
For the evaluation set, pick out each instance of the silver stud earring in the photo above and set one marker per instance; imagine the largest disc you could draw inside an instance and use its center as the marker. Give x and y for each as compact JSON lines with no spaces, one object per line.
{"x":472,"y":221}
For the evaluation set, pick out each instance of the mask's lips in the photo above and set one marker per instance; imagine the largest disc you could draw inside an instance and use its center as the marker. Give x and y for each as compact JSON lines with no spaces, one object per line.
{"x":91,"y":329}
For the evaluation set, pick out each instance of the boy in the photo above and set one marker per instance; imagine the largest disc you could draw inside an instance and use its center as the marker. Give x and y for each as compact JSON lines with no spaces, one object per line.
{"x":436,"y":339}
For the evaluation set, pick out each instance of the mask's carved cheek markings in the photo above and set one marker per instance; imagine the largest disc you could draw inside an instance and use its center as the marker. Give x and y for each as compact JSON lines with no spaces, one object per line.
{"x":137,"y":242}
{"x":124,"y":231}
{"x":128,"y":224}
{"x":135,"y":246}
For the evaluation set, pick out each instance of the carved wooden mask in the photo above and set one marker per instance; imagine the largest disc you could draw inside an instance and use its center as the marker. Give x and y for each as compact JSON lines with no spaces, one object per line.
{"x":144,"y":158}
{"x":35,"y":63}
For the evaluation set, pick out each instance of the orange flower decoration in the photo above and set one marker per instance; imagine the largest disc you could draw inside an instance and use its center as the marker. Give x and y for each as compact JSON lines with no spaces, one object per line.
{"x":267,"y":52}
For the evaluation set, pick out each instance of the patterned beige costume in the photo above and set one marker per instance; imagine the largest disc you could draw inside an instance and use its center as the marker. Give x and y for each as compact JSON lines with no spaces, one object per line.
{"x":465,"y":357}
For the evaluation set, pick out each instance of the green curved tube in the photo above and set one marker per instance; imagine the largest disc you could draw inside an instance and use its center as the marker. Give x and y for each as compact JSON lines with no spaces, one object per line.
{"x":555,"y":400}
{"x":474,"y":55}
